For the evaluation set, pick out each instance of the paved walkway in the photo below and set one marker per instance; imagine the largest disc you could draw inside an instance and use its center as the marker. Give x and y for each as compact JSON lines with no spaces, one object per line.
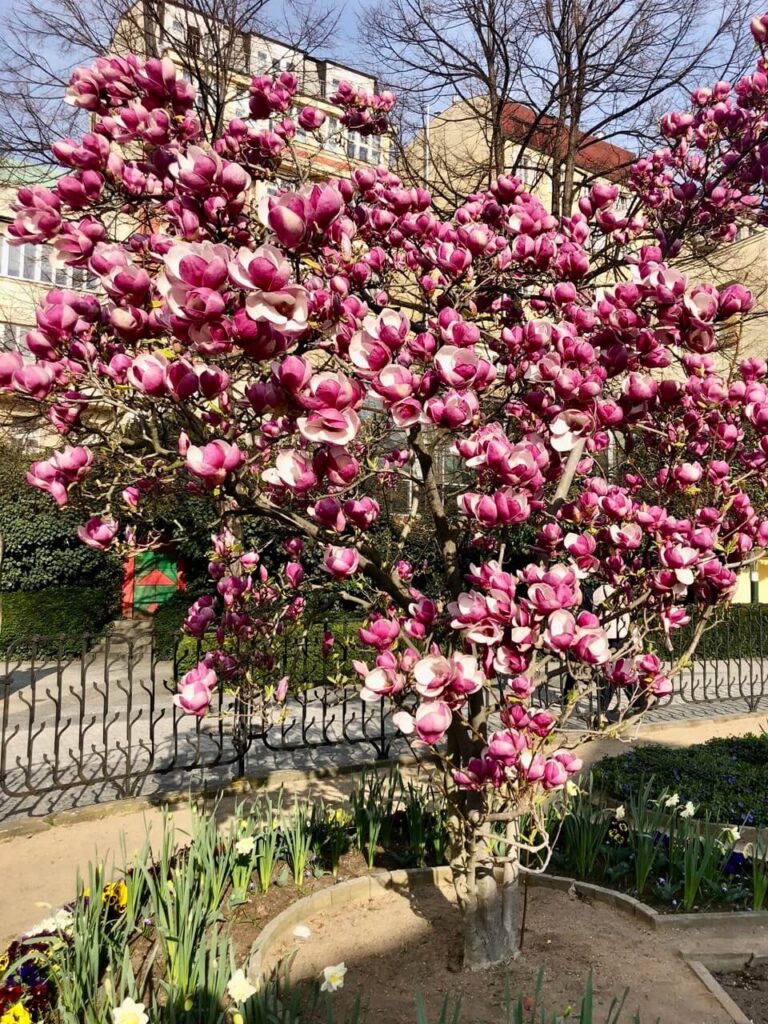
{"x":40,"y":867}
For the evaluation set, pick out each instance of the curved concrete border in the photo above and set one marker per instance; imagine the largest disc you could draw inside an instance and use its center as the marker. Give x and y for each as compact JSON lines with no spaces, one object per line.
{"x":361,"y":889}
{"x":356,"y":890}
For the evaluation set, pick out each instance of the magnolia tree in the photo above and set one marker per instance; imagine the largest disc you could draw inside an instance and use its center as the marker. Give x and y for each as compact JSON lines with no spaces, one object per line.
{"x":299,"y":357}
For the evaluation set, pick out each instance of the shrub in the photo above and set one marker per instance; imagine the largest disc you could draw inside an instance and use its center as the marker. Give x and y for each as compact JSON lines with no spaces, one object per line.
{"x":59,"y":618}
{"x":740,"y":632}
{"x":299,"y":654}
{"x":167,"y":622}
{"x":41,"y":546}
{"x":726,"y":778}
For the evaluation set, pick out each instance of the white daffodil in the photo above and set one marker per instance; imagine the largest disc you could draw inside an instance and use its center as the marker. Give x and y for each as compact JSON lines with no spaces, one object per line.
{"x":239,"y":988}
{"x":688,"y":811}
{"x":333,"y":978}
{"x":672,"y":801}
{"x":620,"y":813}
{"x":244,"y":847}
{"x":129,"y":1012}
{"x":731,"y":835}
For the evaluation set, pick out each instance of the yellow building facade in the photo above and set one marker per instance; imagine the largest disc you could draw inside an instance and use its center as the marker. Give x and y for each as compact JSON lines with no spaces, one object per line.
{"x":453,"y":153}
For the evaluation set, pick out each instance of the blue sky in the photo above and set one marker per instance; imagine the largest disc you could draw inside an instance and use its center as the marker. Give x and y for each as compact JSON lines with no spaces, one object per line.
{"x":346,"y":34}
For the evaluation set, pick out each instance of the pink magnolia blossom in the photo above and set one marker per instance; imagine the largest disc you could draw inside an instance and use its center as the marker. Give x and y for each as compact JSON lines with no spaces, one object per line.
{"x":454,"y":677}
{"x":311,"y":119}
{"x":380,"y":634}
{"x":292,"y":469}
{"x":98,"y":533}
{"x":330,"y":426}
{"x":195,"y":691}
{"x":432,"y":720}
{"x":214,"y":462}
{"x":340,"y":562}
{"x":294,"y":571}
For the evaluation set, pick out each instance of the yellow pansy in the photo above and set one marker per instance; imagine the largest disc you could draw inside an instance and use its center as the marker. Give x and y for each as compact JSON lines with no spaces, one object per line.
{"x":17,"y":1014}
{"x":116,"y":895}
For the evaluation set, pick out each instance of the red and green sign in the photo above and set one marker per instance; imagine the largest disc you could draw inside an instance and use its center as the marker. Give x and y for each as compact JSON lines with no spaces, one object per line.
{"x":151,"y":578}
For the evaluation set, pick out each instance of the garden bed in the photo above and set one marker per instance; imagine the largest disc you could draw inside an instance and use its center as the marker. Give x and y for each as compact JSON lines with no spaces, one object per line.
{"x":749,"y":990}
{"x":174,"y":926}
{"x":725,"y":778}
{"x":397,"y":944}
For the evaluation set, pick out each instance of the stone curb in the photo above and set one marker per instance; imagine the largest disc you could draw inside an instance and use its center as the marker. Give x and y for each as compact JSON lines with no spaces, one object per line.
{"x":174,"y":797}
{"x":716,"y":990}
{"x":599,"y":893}
{"x":717,"y":921}
{"x":361,"y":889}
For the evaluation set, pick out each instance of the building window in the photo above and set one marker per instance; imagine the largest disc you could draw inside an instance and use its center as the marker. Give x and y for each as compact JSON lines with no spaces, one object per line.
{"x":528,"y":174}
{"x":621,"y":205}
{"x":12,"y":337}
{"x":241,"y":106}
{"x":364,"y":148}
{"x":274,"y":188}
{"x":193,"y":41}
{"x":334,"y":135}
{"x":261,"y":62}
{"x":177,"y":30}
{"x":33,"y":263}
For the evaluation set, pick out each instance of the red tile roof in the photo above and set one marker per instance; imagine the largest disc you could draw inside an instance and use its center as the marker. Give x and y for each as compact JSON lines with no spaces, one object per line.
{"x":593,"y":155}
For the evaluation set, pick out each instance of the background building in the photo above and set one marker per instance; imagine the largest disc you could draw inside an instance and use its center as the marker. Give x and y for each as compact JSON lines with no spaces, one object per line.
{"x":220,"y":60}
{"x":453,"y":154}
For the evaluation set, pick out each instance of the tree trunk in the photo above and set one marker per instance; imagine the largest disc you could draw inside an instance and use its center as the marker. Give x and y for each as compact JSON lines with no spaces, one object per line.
{"x":490,"y":902}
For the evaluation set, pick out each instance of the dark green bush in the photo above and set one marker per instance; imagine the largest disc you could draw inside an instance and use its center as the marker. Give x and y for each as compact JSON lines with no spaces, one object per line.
{"x":167,"y":622}
{"x":59,"y":618}
{"x":298,"y":652}
{"x":725,"y":778}
{"x":740,"y":631}
{"x":41,"y":546}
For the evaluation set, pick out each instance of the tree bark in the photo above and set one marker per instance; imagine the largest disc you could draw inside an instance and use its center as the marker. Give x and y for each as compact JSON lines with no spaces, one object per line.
{"x":491,"y":904}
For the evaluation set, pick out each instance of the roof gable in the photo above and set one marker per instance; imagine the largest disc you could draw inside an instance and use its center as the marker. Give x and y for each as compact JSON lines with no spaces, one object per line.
{"x":545,"y":134}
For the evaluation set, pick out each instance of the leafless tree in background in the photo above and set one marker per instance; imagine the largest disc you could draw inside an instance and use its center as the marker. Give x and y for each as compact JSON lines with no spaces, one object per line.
{"x":586,"y":69}
{"x":44,"y":40}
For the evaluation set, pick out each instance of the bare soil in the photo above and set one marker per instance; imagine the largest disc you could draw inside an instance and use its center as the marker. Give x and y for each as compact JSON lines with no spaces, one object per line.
{"x":401,"y":943}
{"x":749,"y":990}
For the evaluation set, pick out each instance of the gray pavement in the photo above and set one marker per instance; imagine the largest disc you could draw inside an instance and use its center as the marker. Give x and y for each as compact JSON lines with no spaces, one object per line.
{"x":92,"y":730}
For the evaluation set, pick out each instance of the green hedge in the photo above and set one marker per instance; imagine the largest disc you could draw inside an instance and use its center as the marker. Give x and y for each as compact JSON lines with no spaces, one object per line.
{"x":740,"y":631}
{"x":41,"y":546}
{"x":298,"y":652}
{"x":60,"y":618}
{"x":167,"y":622}
{"x":727,"y":778}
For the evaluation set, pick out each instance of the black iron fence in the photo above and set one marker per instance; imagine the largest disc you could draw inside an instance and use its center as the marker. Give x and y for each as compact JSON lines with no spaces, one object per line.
{"x":100,"y":725}
{"x":103,"y":725}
